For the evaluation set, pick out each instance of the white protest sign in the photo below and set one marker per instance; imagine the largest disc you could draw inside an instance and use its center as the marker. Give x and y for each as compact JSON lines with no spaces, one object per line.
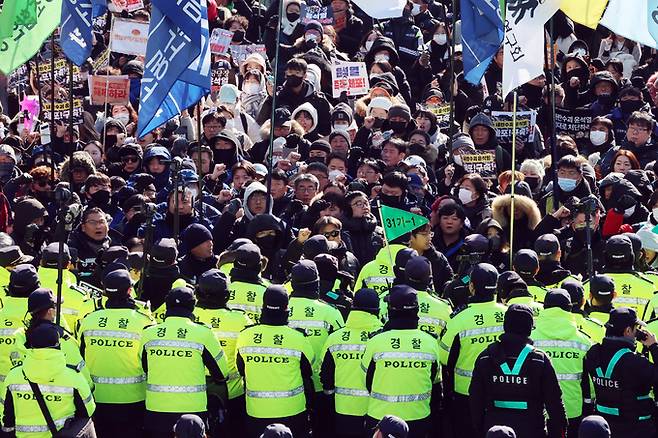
{"x":351,"y":77}
{"x":220,"y":41}
{"x":240,"y":52}
{"x":382,"y":9}
{"x":110,"y":89}
{"x":129,"y":36}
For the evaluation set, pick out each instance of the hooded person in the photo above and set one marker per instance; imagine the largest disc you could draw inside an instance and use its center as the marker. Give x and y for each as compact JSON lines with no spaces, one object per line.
{"x":29,"y":225}
{"x":482,"y":131}
{"x":160,"y":276}
{"x":335,"y":284}
{"x":271,"y":236}
{"x":225,"y":146}
{"x":604,"y":88}
{"x":130,"y":156}
{"x":361,"y":225}
{"x":76,"y":169}
{"x":254,"y":91}
{"x":197,"y":245}
{"x":307,"y":116}
{"x":526,"y":218}
{"x":156,"y":162}
{"x":575,"y":81}
{"x":8,"y":168}
{"x":383,"y":49}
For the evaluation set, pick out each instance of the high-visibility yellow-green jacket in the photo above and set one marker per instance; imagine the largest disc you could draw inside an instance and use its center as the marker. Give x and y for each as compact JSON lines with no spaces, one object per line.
{"x":175,"y":355}
{"x":340,"y":370}
{"x":433,"y":313}
{"x":378,"y":273}
{"x":75,"y":304}
{"x":318,"y":320}
{"x":403,"y":366}
{"x":592,"y":327}
{"x":275,"y":361}
{"x":633,"y":289}
{"x":227,"y":324}
{"x":467,"y":334}
{"x":110,"y":341}
{"x":11,"y":321}
{"x":62,"y":389}
{"x":528,"y":301}
{"x":247,"y":297}
{"x":557,"y":334}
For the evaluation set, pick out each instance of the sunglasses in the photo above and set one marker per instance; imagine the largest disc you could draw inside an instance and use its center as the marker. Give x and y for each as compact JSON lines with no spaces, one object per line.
{"x":334,"y":233}
{"x":130,"y":160}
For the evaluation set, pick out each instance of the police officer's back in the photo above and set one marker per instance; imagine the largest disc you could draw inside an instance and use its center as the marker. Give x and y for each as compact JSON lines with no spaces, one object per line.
{"x":226,"y":324}
{"x":247,"y":286}
{"x":634,"y":290}
{"x":187,"y":347}
{"x":335,"y":285}
{"x":513,"y":383}
{"x":622,"y":379}
{"x":551,"y":273}
{"x":65,"y":392}
{"x":526,"y":264}
{"x":602,"y":293}
{"x":590,"y":326}
{"x":276,"y":362}
{"x":513,"y":290}
{"x":340,"y":370}
{"x":402,"y":367}
{"x":557,"y":334}
{"x":468,"y":332}
{"x":159,"y":279}
{"x":110,"y":342}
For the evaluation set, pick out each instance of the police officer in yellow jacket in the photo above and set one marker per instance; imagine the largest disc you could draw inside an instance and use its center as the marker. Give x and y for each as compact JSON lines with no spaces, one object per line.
{"x":551,"y":272}
{"x":340,"y":371}
{"x":10,"y":257}
{"x":513,"y":290}
{"x":247,"y":286}
{"x":226,"y":324}
{"x":602,"y":293}
{"x":469,"y":332}
{"x":110,"y":342}
{"x":175,"y":356}
{"x":513,"y":383}
{"x":593,"y":328}
{"x":526,"y":264}
{"x":276,"y":362}
{"x":378,"y":274}
{"x":23,"y":280}
{"x":65,"y":392}
{"x":401,"y":366}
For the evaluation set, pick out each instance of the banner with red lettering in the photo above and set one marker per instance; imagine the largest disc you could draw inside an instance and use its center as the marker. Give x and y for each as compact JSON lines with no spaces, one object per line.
{"x":351,"y":77}
{"x":109,"y":89}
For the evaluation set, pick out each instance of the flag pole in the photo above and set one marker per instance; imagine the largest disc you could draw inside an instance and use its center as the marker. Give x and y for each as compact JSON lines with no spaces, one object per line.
{"x":105,"y":103}
{"x":270,"y":160}
{"x":200,"y":161}
{"x":453,"y":44}
{"x":388,"y":246}
{"x":53,"y":130}
{"x":552,"y":124}
{"x":71,"y":109}
{"x":511,"y":228}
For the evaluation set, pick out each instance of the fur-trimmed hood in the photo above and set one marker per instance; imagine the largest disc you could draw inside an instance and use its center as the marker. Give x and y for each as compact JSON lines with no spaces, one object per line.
{"x":501,"y":209}
{"x":80,"y":158}
{"x":295,"y":128}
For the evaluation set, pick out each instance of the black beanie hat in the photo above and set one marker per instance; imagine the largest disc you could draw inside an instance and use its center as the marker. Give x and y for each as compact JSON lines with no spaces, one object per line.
{"x":518,"y":320}
{"x":194,"y":235}
{"x":304,"y":277}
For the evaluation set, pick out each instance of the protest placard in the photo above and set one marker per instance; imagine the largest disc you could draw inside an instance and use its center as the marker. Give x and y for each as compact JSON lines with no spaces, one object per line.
{"x":483,"y":163}
{"x":323,"y":14}
{"x":351,"y":77}
{"x":220,"y":41}
{"x":18,"y":79}
{"x":442,"y":113}
{"x":129,"y":36}
{"x":62,"y":111}
{"x":61,"y":74}
{"x":239,"y":52}
{"x":219,"y":77}
{"x":125,"y":5}
{"x":503,"y":123}
{"x":573,"y":122}
{"x":103,"y":60}
{"x":109,"y":89}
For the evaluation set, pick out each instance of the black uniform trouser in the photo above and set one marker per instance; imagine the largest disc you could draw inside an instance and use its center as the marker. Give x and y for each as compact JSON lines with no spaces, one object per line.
{"x":630,"y":429}
{"x":349,"y":426}
{"x":572,"y":427}
{"x":460,"y":413}
{"x":298,"y":425}
{"x":417,"y":428}
{"x":113,"y":420}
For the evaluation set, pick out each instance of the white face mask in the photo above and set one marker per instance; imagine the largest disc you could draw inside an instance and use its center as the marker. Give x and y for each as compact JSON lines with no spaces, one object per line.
{"x":251,"y":88}
{"x":655,"y":213}
{"x":340,"y":127}
{"x":440,"y":38}
{"x":382,"y":58}
{"x":465,"y":195}
{"x":368,"y":44}
{"x":415,"y":9}
{"x":629,"y":211}
{"x":598,"y":137}
{"x":458,"y":160}
{"x":309,"y":37}
{"x":123,"y":118}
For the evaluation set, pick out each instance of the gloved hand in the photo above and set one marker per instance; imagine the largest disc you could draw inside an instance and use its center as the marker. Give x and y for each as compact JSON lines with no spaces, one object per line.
{"x":292,"y":141}
{"x":295,"y":206}
{"x":625,"y":202}
{"x":318,"y":206}
{"x":234,"y":206}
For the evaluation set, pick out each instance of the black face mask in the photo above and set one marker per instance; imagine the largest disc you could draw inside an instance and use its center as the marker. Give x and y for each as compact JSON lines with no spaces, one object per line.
{"x":533,"y":182}
{"x":238,"y":35}
{"x":292,"y":16}
{"x":580,"y":73}
{"x":606,"y":99}
{"x":398,"y":127}
{"x":267,"y":243}
{"x":378,"y":123}
{"x":629,"y":106}
{"x":102,"y":197}
{"x":389,"y":200}
{"x":494,"y":243}
{"x":293,"y":81}
{"x":224,"y":156}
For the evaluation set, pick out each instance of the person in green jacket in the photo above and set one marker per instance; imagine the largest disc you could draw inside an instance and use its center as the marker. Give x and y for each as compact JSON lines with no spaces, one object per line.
{"x":557,"y":334}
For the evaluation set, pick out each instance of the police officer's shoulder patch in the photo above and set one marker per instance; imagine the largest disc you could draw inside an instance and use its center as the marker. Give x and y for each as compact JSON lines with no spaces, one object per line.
{"x":585,"y":334}
{"x":595,"y":321}
{"x":300,"y":330}
{"x":376,"y":332}
{"x":458,"y":310}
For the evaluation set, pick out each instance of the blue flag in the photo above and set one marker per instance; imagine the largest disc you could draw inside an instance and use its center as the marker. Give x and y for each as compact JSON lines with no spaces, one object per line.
{"x":482,"y":35}
{"x":99,"y":7}
{"x":653,"y":18}
{"x":75,"y":38}
{"x":177,"y":65}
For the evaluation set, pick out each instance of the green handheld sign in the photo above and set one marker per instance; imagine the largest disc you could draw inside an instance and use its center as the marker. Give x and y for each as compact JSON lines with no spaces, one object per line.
{"x":397,"y":222}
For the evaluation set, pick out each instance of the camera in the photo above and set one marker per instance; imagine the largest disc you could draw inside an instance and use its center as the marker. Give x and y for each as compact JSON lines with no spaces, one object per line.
{"x":641,"y":335}
{"x":587,"y":205}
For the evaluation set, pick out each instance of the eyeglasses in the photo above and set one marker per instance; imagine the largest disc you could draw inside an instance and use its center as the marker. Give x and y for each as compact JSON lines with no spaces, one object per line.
{"x":359,"y":204}
{"x":95,"y":223}
{"x":306,"y":189}
{"x":130,"y":159}
{"x":637,"y":130}
{"x":334,"y":233}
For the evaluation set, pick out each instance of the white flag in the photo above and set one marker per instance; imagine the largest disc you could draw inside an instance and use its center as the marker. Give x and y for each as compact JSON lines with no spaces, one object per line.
{"x":524,"y":41}
{"x":629,"y":21}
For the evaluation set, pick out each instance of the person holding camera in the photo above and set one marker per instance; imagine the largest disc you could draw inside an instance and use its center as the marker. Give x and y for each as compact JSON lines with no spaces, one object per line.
{"x":622,"y":378}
